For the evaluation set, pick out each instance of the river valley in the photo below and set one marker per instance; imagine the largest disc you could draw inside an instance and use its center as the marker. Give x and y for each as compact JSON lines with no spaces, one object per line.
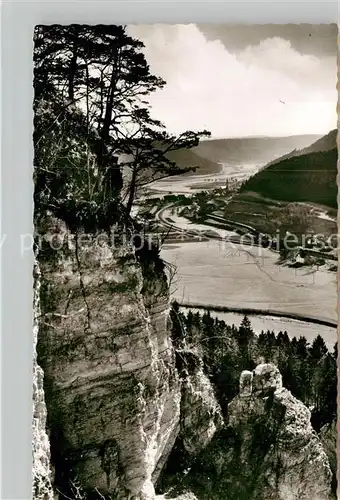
{"x":224,"y":273}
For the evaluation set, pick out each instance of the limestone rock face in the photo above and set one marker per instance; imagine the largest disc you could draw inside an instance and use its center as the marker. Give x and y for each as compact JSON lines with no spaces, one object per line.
{"x":267,"y":450}
{"x":118,"y":396}
{"x":112,"y":389}
{"x":246,"y":383}
{"x":328,"y":437}
{"x":266,"y":379}
{"x":42,"y":475}
{"x":273,"y":429}
{"x":201,"y":415}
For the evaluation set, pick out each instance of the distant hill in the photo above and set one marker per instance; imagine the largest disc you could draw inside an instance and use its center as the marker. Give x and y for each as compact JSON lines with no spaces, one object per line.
{"x":325,"y":143}
{"x":251,"y":150}
{"x":186,"y":158}
{"x":306,"y":175}
{"x":189,"y":158}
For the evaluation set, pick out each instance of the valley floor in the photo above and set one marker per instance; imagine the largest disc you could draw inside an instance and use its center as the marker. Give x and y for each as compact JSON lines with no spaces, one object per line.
{"x":220,"y":273}
{"x":226,"y":274}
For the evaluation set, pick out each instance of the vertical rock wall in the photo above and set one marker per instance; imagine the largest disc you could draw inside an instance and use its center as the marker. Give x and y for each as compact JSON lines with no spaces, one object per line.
{"x":267,"y":450}
{"x":273,"y":426}
{"x":112,"y":388}
{"x":118,"y":397}
{"x":42,"y":475}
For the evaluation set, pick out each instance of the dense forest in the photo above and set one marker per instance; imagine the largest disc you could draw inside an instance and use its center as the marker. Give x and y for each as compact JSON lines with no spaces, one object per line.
{"x":308,"y":178}
{"x":309,"y":371}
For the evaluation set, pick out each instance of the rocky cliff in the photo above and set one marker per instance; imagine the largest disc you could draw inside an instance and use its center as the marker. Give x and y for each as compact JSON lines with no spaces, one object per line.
{"x":267,"y":451}
{"x":201,"y":415}
{"x":42,"y":474}
{"x":275,"y":427}
{"x":113,"y":393}
{"x":329,"y":439}
{"x":120,"y":399}
{"x":112,"y":387}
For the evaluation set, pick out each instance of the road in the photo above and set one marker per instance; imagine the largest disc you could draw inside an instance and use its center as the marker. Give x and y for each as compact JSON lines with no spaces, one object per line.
{"x":205,"y":231}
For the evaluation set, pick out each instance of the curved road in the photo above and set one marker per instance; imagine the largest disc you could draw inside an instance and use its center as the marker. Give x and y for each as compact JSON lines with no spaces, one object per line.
{"x":207,"y":231}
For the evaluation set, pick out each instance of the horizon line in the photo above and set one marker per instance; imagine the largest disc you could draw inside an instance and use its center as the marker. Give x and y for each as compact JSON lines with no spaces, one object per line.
{"x":266,"y":136}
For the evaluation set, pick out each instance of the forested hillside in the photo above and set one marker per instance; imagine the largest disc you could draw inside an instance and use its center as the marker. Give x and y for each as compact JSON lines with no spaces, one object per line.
{"x":309,"y":177}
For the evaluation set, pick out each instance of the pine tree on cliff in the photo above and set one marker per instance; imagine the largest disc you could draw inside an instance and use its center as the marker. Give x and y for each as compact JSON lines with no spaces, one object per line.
{"x":96,"y":79}
{"x":148,"y":150}
{"x":100,"y":68}
{"x":318,"y":348}
{"x":245,"y":334}
{"x":325,"y":386}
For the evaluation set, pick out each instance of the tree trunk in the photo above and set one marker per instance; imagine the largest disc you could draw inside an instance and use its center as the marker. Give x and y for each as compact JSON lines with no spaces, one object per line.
{"x":72,"y":72}
{"x":103,"y":155}
{"x":132,"y":192}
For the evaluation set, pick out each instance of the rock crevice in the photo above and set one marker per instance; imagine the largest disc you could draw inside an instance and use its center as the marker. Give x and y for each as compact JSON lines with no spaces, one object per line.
{"x":111,"y":385}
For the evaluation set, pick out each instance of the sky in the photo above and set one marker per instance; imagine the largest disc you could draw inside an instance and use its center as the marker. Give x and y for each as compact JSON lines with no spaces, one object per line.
{"x":239,"y":81}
